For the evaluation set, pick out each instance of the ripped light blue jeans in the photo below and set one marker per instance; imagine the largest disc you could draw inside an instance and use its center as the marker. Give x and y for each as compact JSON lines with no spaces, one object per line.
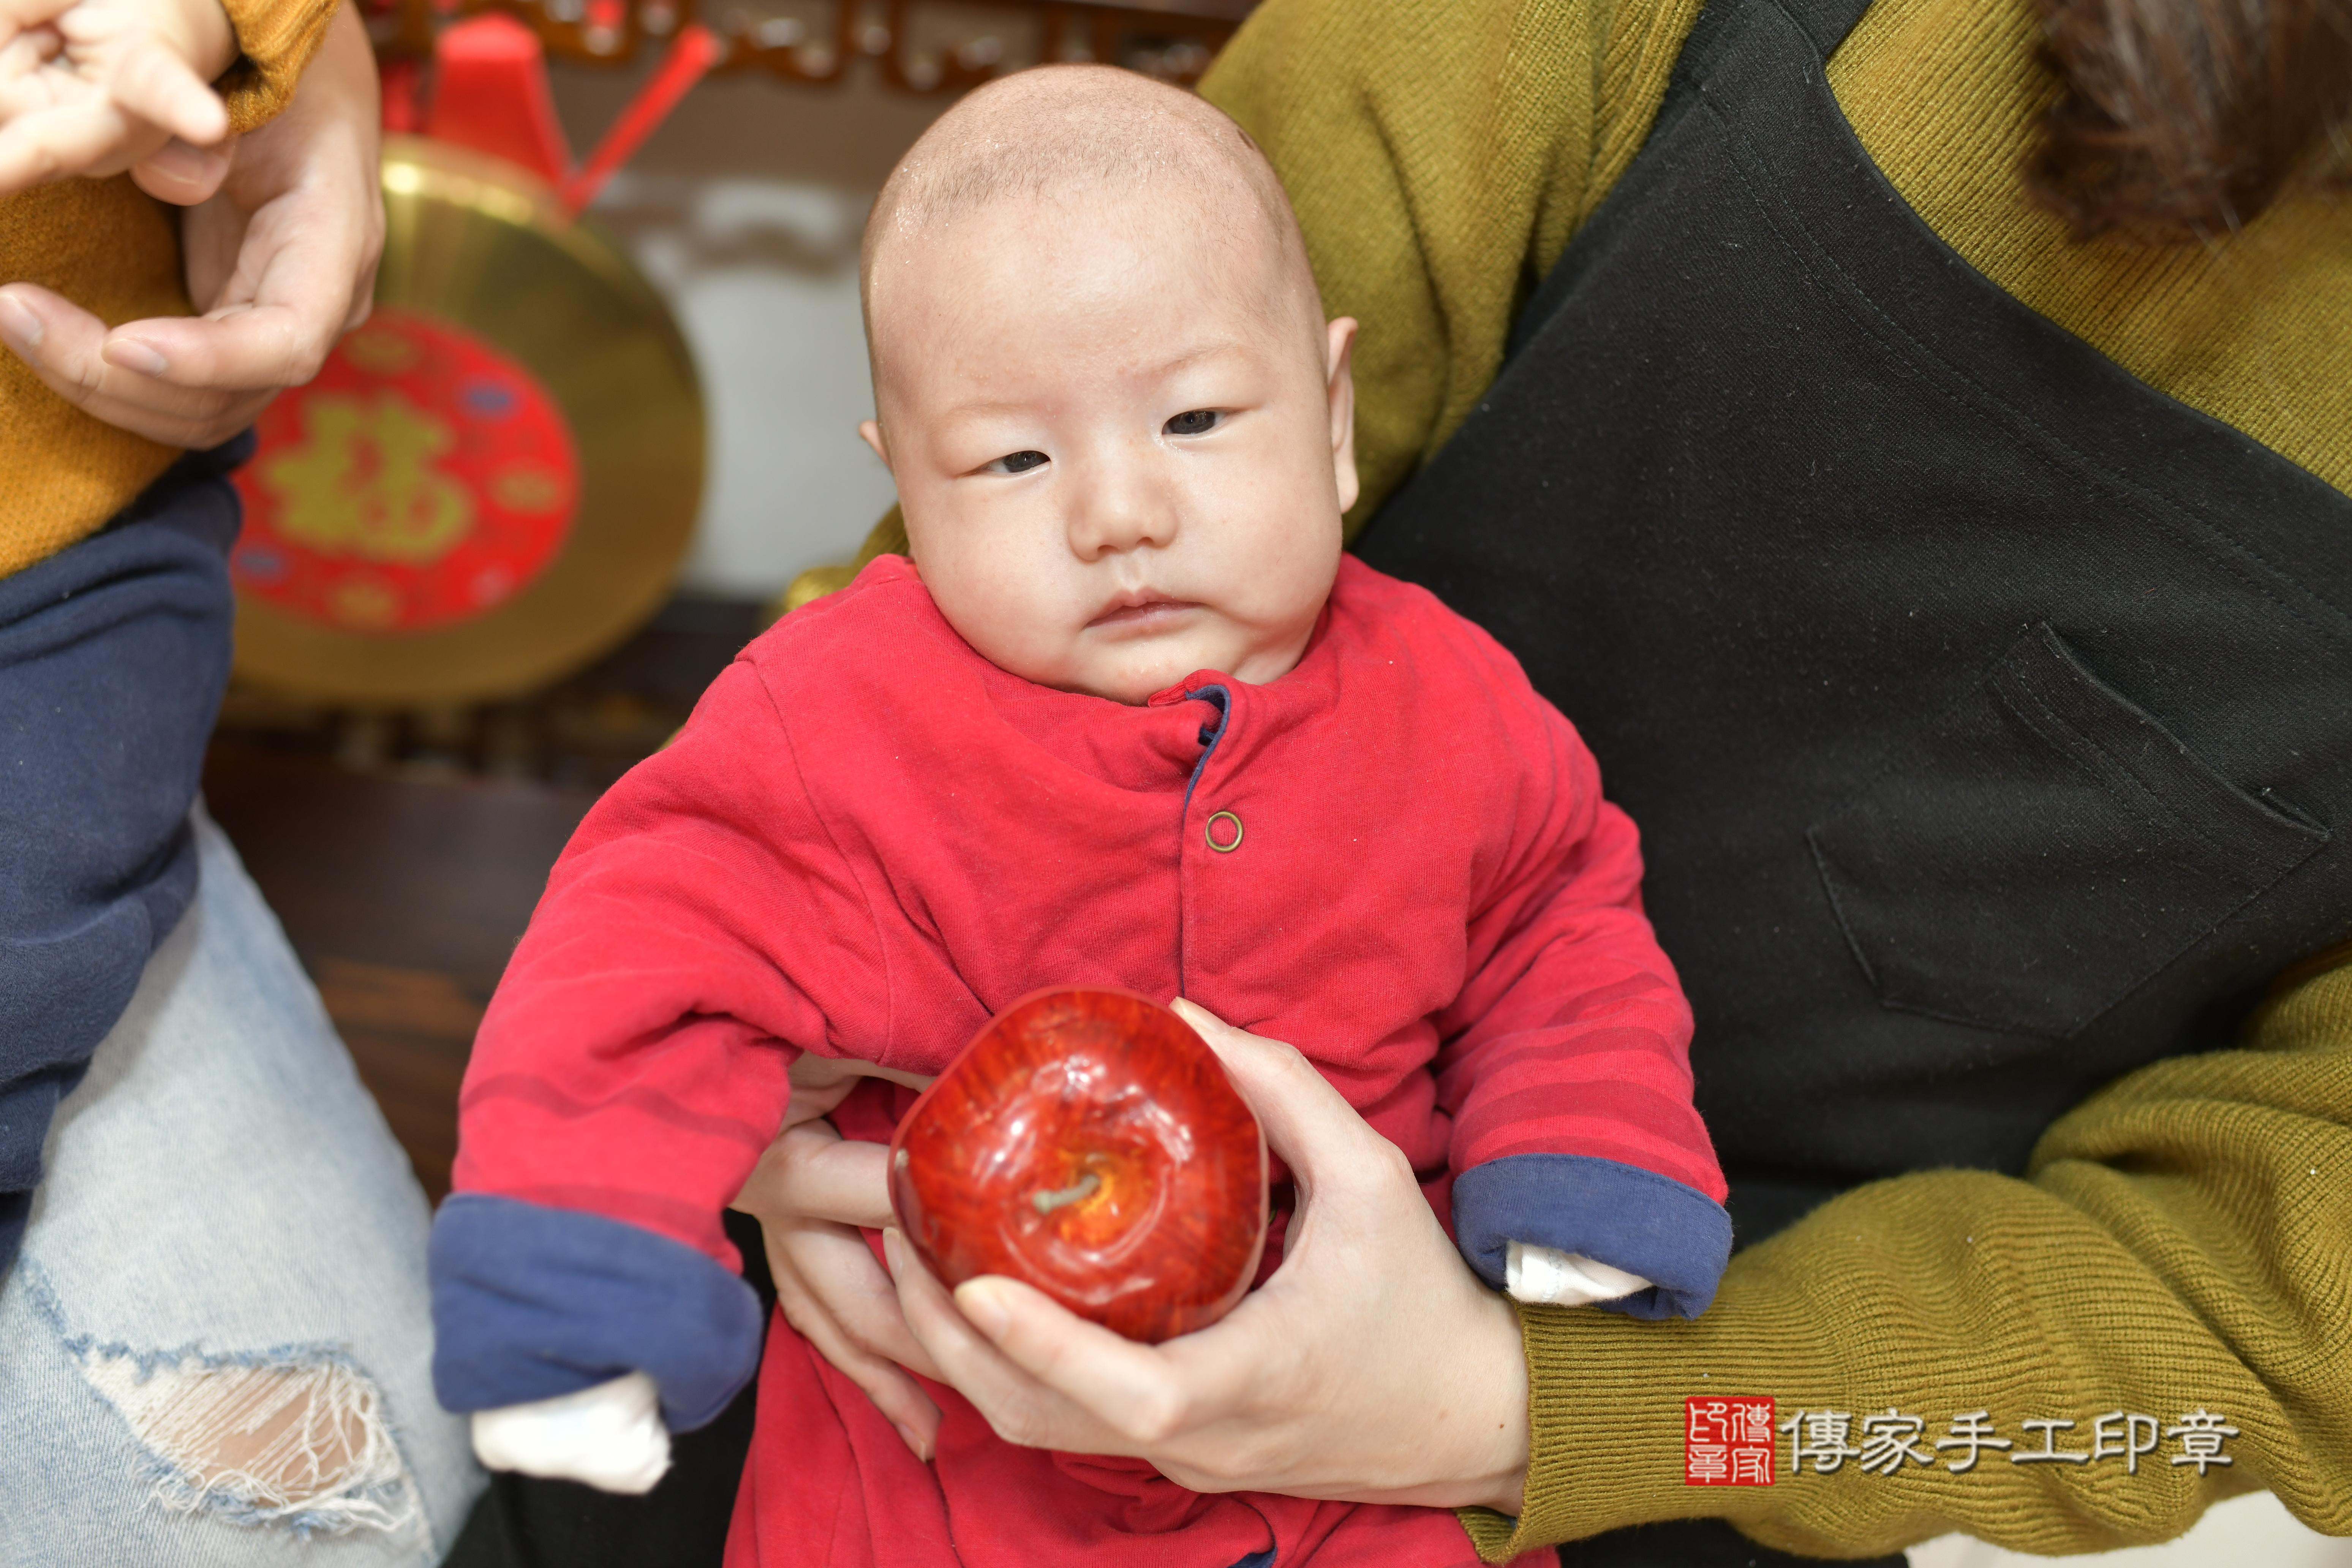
{"x":214,"y":1348}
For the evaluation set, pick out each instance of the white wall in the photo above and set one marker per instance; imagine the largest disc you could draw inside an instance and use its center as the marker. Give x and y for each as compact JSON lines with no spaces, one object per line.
{"x":745,"y":210}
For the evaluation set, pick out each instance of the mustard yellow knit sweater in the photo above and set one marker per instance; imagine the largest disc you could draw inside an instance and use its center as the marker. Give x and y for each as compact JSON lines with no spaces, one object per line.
{"x":115,"y":251}
{"x":2180,"y":1250}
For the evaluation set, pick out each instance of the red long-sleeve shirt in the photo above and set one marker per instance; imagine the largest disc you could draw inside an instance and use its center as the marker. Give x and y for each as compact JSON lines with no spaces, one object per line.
{"x":869,"y":839}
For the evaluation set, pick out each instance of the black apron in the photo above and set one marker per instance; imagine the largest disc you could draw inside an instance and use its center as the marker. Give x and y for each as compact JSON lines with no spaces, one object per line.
{"x":1986,"y":714}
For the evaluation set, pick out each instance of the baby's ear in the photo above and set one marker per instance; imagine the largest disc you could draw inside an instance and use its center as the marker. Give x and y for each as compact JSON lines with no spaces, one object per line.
{"x":1337,"y":360}
{"x":870,"y":432}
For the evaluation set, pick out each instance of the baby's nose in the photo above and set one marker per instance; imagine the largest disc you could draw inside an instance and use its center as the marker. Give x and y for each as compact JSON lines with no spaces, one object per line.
{"x":1121,"y":507}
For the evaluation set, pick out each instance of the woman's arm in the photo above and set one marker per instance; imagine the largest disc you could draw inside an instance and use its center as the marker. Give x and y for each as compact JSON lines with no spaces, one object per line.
{"x":2174,"y":1262}
{"x":2178,"y":1246}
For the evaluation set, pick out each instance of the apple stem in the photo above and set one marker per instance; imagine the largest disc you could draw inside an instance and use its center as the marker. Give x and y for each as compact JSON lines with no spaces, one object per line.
{"x":1083,"y":1188}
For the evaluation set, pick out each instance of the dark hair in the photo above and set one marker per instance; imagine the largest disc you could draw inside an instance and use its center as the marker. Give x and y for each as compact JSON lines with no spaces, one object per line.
{"x":2187,"y":117}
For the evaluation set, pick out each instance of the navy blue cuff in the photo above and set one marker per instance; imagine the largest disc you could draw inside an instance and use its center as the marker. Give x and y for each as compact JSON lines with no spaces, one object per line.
{"x":529,"y":1302}
{"x":1675,"y":1236}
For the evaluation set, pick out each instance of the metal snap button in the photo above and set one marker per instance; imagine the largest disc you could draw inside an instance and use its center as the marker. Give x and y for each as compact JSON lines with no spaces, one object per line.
{"x":1209,"y":831}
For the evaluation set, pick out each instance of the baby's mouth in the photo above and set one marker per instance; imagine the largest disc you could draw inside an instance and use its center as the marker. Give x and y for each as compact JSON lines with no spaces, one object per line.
{"x":1141,"y":613}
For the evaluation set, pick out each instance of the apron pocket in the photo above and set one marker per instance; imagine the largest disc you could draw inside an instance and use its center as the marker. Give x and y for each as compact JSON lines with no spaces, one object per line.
{"x":2044,"y":848}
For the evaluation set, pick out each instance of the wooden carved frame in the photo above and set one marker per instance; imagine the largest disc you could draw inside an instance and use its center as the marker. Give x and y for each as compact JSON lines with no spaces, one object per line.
{"x":1170,"y":38}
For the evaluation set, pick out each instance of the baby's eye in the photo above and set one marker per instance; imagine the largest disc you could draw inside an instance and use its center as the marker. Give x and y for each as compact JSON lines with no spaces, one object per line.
{"x":1014,"y":463}
{"x":1198,"y":422}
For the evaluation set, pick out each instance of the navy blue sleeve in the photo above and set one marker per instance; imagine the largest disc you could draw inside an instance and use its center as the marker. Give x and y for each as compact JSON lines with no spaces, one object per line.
{"x":531,"y":1302}
{"x":114,"y":656}
{"x":1673,"y":1236}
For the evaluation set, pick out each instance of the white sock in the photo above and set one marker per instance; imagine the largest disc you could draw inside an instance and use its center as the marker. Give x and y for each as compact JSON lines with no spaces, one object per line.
{"x":610,"y":1437}
{"x":1548,"y":1277}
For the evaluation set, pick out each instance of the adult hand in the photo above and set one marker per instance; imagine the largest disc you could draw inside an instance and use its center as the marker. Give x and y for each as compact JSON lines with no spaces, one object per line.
{"x":811,"y":1193}
{"x":91,"y":87}
{"x":1372,"y":1367}
{"x":280,"y":259}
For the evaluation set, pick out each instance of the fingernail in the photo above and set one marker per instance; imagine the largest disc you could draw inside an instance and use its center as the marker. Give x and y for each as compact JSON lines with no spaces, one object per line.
{"x":18,"y":323}
{"x":977,"y":1300}
{"x":906,"y":1435}
{"x":891,"y":1244}
{"x":132,"y":354}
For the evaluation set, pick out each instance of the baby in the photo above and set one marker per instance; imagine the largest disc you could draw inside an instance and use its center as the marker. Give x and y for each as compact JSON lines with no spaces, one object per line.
{"x":1127,"y":717}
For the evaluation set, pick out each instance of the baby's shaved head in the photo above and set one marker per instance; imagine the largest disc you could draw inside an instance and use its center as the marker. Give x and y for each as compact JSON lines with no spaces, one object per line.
{"x":1120,"y":429}
{"x":1078,"y":131}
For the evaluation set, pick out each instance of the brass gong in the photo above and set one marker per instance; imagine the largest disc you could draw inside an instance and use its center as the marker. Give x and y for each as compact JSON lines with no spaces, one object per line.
{"x":494,"y":480}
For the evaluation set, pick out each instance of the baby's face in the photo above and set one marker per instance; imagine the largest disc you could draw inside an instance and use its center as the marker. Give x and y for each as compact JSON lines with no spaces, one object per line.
{"x":1121,"y":439}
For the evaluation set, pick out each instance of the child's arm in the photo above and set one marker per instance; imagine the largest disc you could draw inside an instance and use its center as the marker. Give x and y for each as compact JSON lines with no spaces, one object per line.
{"x":630,"y":1071}
{"x":1581,"y":1158}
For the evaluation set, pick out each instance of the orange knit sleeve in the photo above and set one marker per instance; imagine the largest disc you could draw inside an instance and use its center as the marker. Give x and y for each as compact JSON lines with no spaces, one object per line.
{"x":275,"y":39}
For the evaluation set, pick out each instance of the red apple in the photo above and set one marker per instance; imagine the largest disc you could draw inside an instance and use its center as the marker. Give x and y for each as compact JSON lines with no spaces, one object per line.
{"x":1088,"y":1143}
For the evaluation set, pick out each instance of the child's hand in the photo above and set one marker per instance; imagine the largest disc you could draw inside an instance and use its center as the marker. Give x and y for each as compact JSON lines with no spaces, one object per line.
{"x":91,"y":87}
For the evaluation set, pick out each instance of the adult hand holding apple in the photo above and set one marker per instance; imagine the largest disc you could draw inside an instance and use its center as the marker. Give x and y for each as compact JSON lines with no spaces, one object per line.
{"x":1088,"y":1143}
{"x":1086,"y":1137}
{"x":1373,"y":1366}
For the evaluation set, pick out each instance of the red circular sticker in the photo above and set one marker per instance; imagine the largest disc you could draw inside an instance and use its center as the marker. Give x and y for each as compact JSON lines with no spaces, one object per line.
{"x":423,"y":478}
